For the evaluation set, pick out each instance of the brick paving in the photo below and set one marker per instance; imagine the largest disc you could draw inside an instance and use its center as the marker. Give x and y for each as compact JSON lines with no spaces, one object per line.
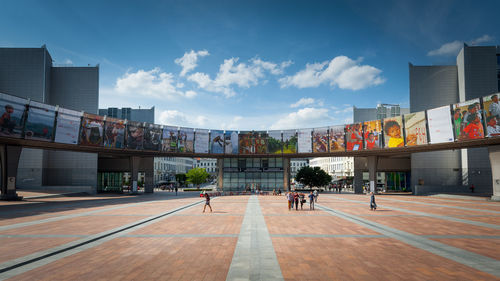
{"x":191,"y":245}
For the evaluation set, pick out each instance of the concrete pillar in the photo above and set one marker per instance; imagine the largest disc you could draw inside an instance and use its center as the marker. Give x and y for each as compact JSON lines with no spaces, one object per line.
{"x":286,"y":174}
{"x":372,"y":171}
{"x":494,"y":152}
{"x":358,"y":176}
{"x":220,"y":173}
{"x":148,"y":164}
{"x":134,"y":170}
{"x":10,"y":161}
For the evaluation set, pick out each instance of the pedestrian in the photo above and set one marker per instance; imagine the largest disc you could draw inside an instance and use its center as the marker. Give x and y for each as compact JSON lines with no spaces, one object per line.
{"x":373,"y":205}
{"x":207,"y":203}
{"x":316,"y":195}
{"x":302,"y":199}
{"x":289,"y":199}
{"x":311,"y":201}
{"x":296,"y":199}
{"x":176,"y":190}
{"x":472,"y":188}
{"x":279,"y":191}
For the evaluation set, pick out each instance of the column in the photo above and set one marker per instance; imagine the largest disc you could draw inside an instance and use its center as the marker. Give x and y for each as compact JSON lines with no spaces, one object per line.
{"x":134,"y":170}
{"x":220,"y":173}
{"x":286,"y":174}
{"x":372,"y":171}
{"x":494,"y":152}
{"x":10,"y":161}
{"x":148,"y":168}
{"x":358,"y":175}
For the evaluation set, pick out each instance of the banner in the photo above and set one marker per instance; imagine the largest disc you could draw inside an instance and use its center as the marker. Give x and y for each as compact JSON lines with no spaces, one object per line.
{"x":92,"y":132}
{"x":337,"y":135}
{"x":217,"y":142}
{"x":320,"y":140}
{"x":231,"y":142}
{"x":12,"y":119}
{"x":135,"y":135}
{"x":305,"y":143}
{"x":169,"y":140}
{"x":67,"y":126}
{"x":114,"y":136}
{"x":372,"y":134}
{"x":186,"y":140}
{"x":289,"y":142}
{"x":40,"y":122}
{"x":467,"y":120}
{"x":152,"y":137}
{"x":274,"y":142}
{"x":246,"y":142}
{"x":201,"y":141}
{"x":440,"y":128}
{"x":393,"y":132}
{"x":260,"y":141}
{"x":415,"y":128}
{"x":354,"y":137}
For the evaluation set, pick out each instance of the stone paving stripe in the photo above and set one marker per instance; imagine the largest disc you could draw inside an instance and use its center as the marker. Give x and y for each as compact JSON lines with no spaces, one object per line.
{"x":443,"y":206}
{"x":254,"y":257}
{"x":329,"y":235}
{"x":295,"y":215}
{"x":41,"y":236}
{"x":448,"y":218}
{"x":24,"y":264}
{"x":461,"y":236}
{"x":179,"y":235}
{"x":211,"y":214}
{"x":464,"y":257}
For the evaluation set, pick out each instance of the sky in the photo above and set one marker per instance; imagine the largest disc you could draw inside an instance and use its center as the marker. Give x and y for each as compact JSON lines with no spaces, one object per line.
{"x":251,"y":65}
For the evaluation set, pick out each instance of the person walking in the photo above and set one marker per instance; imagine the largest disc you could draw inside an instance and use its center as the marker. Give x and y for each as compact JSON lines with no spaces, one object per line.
{"x":176,"y":190}
{"x":296,"y":199}
{"x":289,"y":198}
{"x":373,"y":205}
{"x":207,"y":203}
{"x":302,"y":200}
{"x":311,"y":201}
{"x":316,"y":195}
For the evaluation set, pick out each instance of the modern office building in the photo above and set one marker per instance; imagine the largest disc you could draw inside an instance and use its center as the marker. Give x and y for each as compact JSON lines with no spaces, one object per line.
{"x":475,"y":74}
{"x":167,"y":167}
{"x":30,"y":73}
{"x":244,"y":174}
{"x":209,"y":164}
{"x":139,"y":115}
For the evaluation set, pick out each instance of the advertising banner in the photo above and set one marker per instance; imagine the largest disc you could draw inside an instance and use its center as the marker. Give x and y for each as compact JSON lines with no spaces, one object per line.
{"x":169,"y":140}
{"x":186,"y":140}
{"x":372,"y":134}
{"x":440,"y":128}
{"x":40,"y":122}
{"x":92,"y":132}
{"x":305,"y":142}
{"x":415,"y":128}
{"x":201,"y":141}
{"x":289,"y":142}
{"x":320,"y":140}
{"x":492,"y":115}
{"x":393,"y":132}
{"x":114,"y":136}
{"x":354,"y":137}
{"x":152,"y":137}
{"x":135,"y":135}
{"x":246,"y":142}
{"x":467,"y":120}
{"x":337,"y":135}
{"x":216,"y":141}
{"x":260,"y":142}
{"x":231,"y":142}
{"x":12,"y":119}
{"x":274,"y":142}
{"x":67,"y":126}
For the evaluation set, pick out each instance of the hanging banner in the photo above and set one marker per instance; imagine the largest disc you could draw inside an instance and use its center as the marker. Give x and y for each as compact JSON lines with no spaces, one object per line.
{"x":169,"y":140}
{"x":354,"y":137}
{"x":305,"y":143}
{"x":12,"y":119}
{"x":216,"y":141}
{"x":231,"y":142}
{"x":40,"y":122}
{"x":289,"y":142}
{"x":491,"y":113}
{"x":415,"y":128}
{"x":186,"y":140}
{"x":337,"y":135}
{"x":67,"y":126}
{"x":260,"y":138}
{"x":467,"y":120}
{"x":372,"y":134}
{"x":92,"y":132}
{"x":135,"y":135}
{"x":440,"y":128}
{"x":114,"y":136}
{"x":320,"y":140}
{"x":274,"y":142}
{"x":246,"y":142}
{"x":152,"y":137}
{"x":393,"y":132}
{"x":201,"y":141}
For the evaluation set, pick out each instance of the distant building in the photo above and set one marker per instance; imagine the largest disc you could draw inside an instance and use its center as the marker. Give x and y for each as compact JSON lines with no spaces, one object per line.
{"x":296,"y":164}
{"x":209,"y":164}
{"x":139,"y":115}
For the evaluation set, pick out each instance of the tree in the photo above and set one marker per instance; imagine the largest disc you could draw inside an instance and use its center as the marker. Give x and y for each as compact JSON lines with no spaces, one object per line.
{"x":197,"y":176}
{"x":313,"y":176}
{"x":180,"y":178}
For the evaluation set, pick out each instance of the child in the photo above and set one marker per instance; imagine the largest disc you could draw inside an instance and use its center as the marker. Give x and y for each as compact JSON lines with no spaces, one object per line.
{"x":371,"y":142}
{"x":207,"y":203}
{"x":373,"y":205}
{"x":493,"y":129}
{"x":474,"y":129}
{"x":393,"y":130}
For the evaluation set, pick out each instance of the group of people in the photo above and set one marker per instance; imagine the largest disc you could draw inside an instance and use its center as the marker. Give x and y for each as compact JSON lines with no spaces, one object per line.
{"x":296,"y":198}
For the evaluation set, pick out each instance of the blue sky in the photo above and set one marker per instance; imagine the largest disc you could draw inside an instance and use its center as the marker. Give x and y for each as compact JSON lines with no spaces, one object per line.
{"x":251,"y":64}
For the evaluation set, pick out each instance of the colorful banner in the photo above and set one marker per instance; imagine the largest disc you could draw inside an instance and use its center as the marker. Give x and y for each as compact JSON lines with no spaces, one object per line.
{"x":439,"y":121}
{"x":246,"y":142}
{"x":114,"y":136}
{"x":231,"y":142}
{"x":135,"y":135}
{"x":372,"y":134}
{"x":152,"y":137}
{"x":12,"y":119}
{"x":40,"y":122}
{"x":320,"y":140}
{"x":67,"y":126}
{"x":169,"y":140}
{"x":217,"y":142}
{"x":274,"y":142}
{"x":305,"y":142}
{"x":491,"y":114}
{"x":354,"y":137}
{"x":92,"y":132}
{"x":393,"y":132}
{"x":260,"y":141}
{"x":289,"y":142}
{"x":337,"y":136}
{"x":201,"y":141}
{"x":186,"y":140}
{"x":467,"y":120}
{"x":415,"y":128}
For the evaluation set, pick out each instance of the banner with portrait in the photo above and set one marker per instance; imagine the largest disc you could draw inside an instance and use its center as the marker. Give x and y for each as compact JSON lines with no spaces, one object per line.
{"x":274,"y":142}
{"x":135,"y":135}
{"x":491,"y":113}
{"x":468,"y":120}
{"x":231,"y":142}
{"x":152,"y":137}
{"x":40,"y":121}
{"x":354,"y":137}
{"x":305,"y":141}
{"x":260,"y":142}
{"x":114,"y":133}
{"x":169,"y":139}
{"x":67,"y":126}
{"x":372,"y":134}
{"x":415,"y":128}
{"x":201,"y":141}
{"x":216,"y":141}
{"x":337,"y":137}
{"x":246,"y":142}
{"x":439,"y":121}
{"x":320,"y":140}
{"x":186,"y":140}
{"x":13,"y":117}
{"x":393,"y":132}
{"x":92,"y":130}
{"x":289,"y":142}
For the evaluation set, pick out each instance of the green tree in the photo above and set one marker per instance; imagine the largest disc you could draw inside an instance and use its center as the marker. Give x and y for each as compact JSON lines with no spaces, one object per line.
{"x":197,"y":176}
{"x":313,"y":176}
{"x":181,"y":178}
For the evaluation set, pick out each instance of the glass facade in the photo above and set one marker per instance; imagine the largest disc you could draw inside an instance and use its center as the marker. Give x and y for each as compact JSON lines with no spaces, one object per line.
{"x":250,"y":174}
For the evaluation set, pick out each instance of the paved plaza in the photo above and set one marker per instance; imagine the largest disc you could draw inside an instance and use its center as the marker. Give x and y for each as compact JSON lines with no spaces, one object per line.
{"x":163,"y":237}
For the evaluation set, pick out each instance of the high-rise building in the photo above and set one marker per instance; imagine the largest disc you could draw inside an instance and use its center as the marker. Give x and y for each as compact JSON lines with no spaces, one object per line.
{"x":139,"y":115}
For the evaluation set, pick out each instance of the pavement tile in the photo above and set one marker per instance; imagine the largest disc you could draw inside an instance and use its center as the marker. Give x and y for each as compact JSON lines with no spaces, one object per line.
{"x":16,"y":247}
{"x":486,"y":247}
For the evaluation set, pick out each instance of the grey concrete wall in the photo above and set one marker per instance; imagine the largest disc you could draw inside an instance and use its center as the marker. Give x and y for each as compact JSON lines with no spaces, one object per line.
{"x":494,"y":156}
{"x":364,"y":114}
{"x":436,"y":168}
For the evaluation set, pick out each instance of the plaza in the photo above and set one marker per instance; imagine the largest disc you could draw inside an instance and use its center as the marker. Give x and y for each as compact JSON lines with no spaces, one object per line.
{"x":161,"y":236}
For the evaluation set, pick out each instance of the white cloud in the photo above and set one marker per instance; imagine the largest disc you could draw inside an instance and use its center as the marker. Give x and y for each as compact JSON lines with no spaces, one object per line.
{"x":341,"y":71}
{"x":483,"y":39}
{"x":303,"y":102}
{"x":190,"y":60}
{"x":68,"y":61}
{"x":177,"y":118}
{"x":153,"y":83}
{"x":448,"y":49}
{"x":304,"y":118}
